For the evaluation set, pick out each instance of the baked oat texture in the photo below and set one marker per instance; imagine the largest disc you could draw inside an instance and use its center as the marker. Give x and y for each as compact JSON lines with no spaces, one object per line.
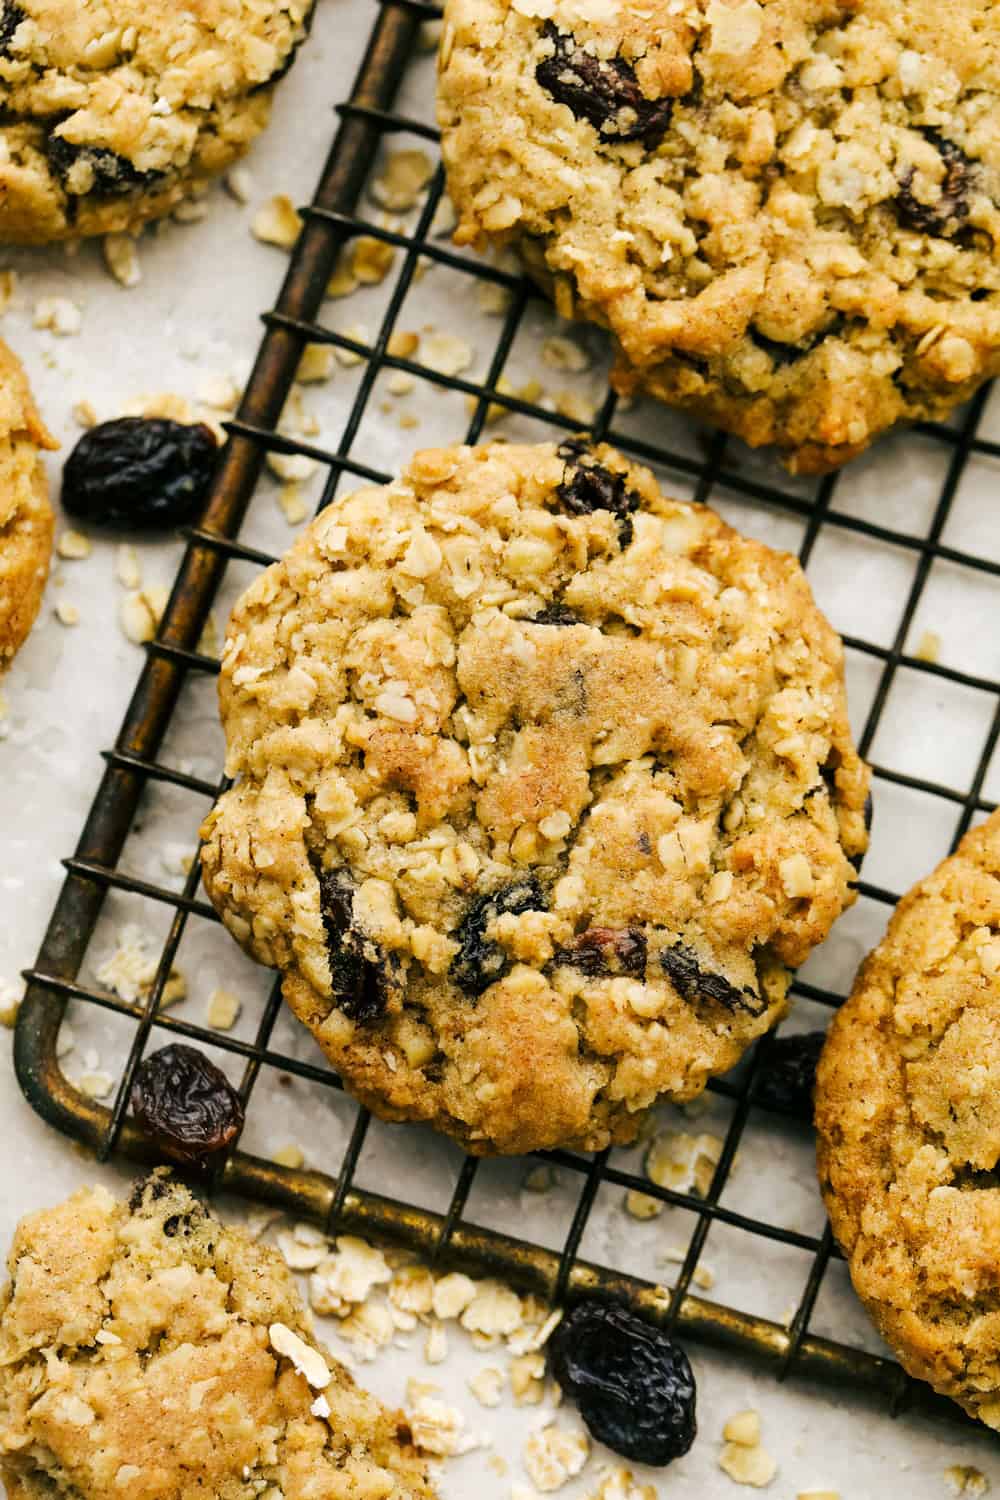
{"x":26,"y":521}
{"x":544,"y":781}
{"x":786,"y":212}
{"x":908,"y":1121}
{"x":113,"y":113}
{"x":135,"y":1359}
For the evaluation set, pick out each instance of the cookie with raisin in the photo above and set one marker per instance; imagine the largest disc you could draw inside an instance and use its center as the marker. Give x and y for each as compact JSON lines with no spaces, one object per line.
{"x":543,"y":784}
{"x":786,"y":212}
{"x":26,"y":521}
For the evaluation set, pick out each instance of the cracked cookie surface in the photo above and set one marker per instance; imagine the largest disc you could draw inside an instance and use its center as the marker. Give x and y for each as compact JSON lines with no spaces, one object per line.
{"x":543,"y":782}
{"x":785,"y":212}
{"x":908,"y":1126}
{"x":112,"y":114}
{"x":26,"y":521}
{"x":137,"y":1357}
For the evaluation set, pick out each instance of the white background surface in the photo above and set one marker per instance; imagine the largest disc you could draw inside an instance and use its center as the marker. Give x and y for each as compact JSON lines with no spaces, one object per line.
{"x":193,"y":316}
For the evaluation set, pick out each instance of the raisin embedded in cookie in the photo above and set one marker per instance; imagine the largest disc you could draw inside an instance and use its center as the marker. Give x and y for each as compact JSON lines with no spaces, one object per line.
{"x":543,"y":783}
{"x":785,"y":212}
{"x":908,"y":1122}
{"x":26,"y":521}
{"x":114,"y":113}
{"x":148,"y":1350}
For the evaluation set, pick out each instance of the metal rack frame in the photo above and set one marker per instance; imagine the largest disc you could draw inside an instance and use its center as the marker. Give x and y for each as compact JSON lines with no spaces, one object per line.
{"x":333,"y":1198}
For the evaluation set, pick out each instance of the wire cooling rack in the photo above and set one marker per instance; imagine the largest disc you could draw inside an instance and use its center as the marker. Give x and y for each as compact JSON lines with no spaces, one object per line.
{"x":716,"y":471}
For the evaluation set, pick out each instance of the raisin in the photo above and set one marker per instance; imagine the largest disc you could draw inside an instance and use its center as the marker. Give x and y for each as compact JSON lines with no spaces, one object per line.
{"x":633,"y":1385}
{"x":787,"y":1075}
{"x":11,"y":16}
{"x":945,"y":217}
{"x":789,"y":354}
{"x":112,"y":175}
{"x":605,"y":92}
{"x":363,"y":978}
{"x":691,"y":982}
{"x":139,"y":472}
{"x":479,"y":961}
{"x":186,"y":1105}
{"x":589,"y":486}
{"x":555,"y":614}
{"x":606,"y":950}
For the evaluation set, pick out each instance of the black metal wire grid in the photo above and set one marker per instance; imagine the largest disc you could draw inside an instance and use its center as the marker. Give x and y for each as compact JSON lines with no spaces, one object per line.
{"x":333,"y":1196}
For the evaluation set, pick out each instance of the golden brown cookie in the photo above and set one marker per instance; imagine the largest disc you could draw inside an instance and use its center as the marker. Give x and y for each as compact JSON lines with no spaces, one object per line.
{"x":112,"y":114}
{"x":26,"y":521}
{"x":908,"y":1121}
{"x":786,"y":211}
{"x":543,"y":783}
{"x":150,"y":1351}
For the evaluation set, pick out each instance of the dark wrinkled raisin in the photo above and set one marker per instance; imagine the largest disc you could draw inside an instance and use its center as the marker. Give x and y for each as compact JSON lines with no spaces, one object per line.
{"x":362,"y":976}
{"x":691,"y":982}
{"x":979,"y":295}
{"x":11,"y":16}
{"x":787,"y":1075}
{"x":186,"y":1105}
{"x":948,"y":214}
{"x":606,"y":950}
{"x":112,"y":176}
{"x":605,"y":92}
{"x":139,"y":472}
{"x":633,"y":1385}
{"x":589,"y":486}
{"x":555,"y":614}
{"x":479,"y":961}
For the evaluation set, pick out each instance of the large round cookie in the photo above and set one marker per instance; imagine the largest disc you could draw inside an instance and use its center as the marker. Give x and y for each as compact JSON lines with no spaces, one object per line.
{"x":26,"y":521}
{"x":908,"y":1116}
{"x":544,"y":781}
{"x":786,"y":212}
{"x":112,"y":113}
{"x":149,"y":1351}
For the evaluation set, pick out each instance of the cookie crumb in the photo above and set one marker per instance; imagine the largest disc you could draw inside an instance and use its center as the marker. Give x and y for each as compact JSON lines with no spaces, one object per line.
{"x":57,"y":314}
{"x":122,"y":258}
{"x":67,"y":613}
{"x":223,"y":1009}
{"x":966,"y":1479}
{"x":929,"y":647}
{"x":743,"y":1428}
{"x":642,"y":1205}
{"x":73,"y":545}
{"x":402,"y":181}
{"x":685,"y":1163}
{"x":84,"y":415}
{"x":277,"y":222}
{"x":751,"y":1466}
{"x":371,"y":260}
{"x":239,"y":184}
{"x":316,"y":365}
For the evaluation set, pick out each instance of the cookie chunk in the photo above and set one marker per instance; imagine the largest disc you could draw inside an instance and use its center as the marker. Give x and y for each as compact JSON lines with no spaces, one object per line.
{"x":151,"y":1351}
{"x":543,"y":783}
{"x":908,"y":1121}
{"x":26,"y":521}
{"x":785,"y":212}
{"x":113,"y":113}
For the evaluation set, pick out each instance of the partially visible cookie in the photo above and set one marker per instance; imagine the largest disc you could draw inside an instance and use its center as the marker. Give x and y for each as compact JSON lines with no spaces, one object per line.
{"x":26,"y":521}
{"x":150,"y":1351}
{"x":908,"y":1122}
{"x":544,"y":781}
{"x":786,"y":212}
{"x":112,"y":114}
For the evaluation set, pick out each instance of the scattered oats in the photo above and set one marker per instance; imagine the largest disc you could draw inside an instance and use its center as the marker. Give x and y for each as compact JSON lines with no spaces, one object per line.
{"x":400,"y":383}
{"x":348,"y":1276}
{"x":494,"y":298}
{"x":929,"y":647}
{"x":371,"y":260}
{"x":561,"y":353}
{"x":446,"y":353}
{"x":342,"y":282}
{"x":259,"y":1220}
{"x":495,"y":1308}
{"x":292,"y":467}
{"x":439,"y":1428}
{"x":527,"y":1379}
{"x":277,"y":222}
{"x":525,"y":1340}
{"x":289,"y":1156}
{"x":554,"y":1455}
{"x":316,"y":365}
{"x":127,"y":566}
{"x":540,"y":1179}
{"x":190,"y":211}
{"x":137,"y":618}
{"x":753,"y":1466}
{"x":159,"y":404}
{"x":301,"y":1257}
{"x":359,"y":333}
{"x":406,"y":175}
{"x":743,"y":1428}
{"x":703,"y":1277}
{"x":8,"y":286}
{"x":964,"y":1479}
{"x":220,"y":392}
{"x":58,"y":314}
{"x":66,"y":613}
{"x":223,"y":1009}
{"x":84,"y":415}
{"x":96,"y":1085}
{"x":307,"y":1360}
{"x":487,"y":1385}
{"x":453,"y":1294}
{"x":240,"y":184}
{"x":641,"y":1205}
{"x":577,"y":407}
{"x":130,"y":970}
{"x":403,"y":344}
{"x":685,"y":1163}
{"x":11,"y":996}
{"x":436,"y":1345}
{"x":408,"y":421}
{"x":122,"y":259}
{"x":412,"y":1290}
{"x":73,"y":545}
{"x":292,"y":504}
